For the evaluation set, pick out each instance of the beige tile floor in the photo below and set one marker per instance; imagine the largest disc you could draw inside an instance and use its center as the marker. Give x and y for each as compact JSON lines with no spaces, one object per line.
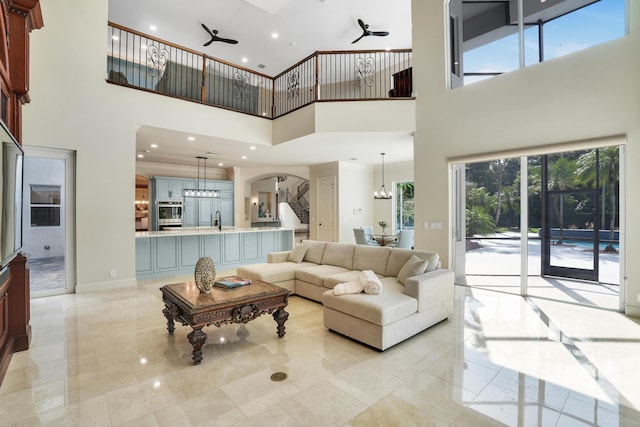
{"x":106,"y":359}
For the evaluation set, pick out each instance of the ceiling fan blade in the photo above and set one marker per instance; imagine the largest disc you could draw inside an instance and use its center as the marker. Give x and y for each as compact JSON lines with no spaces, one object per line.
{"x":378,"y":33}
{"x":207,"y":29}
{"x":230,"y":41}
{"x":362,"y":24}
{"x":208,"y":43}
{"x":358,"y":39}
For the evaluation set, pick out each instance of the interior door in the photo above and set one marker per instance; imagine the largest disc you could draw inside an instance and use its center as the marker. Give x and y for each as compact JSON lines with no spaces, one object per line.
{"x":326,"y":228}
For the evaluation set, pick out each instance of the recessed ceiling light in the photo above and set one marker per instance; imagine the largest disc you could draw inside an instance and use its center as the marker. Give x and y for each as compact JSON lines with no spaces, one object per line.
{"x":245,"y":60}
{"x":147,"y":151}
{"x":292,"y":44}
{"x":153,"y":27}
{"x":220,"y":164}
{"x":191,"y":138}
{"x":252,"y":148}
{"x":244,"y":157}
{"x":154,"y":145}
{"x":140,"y":156}
{"x":274,"y":35}
{"x":116,"y":38}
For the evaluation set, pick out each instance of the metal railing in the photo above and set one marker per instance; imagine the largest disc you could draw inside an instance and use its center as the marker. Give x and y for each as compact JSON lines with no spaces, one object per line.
{"x":143,"y":62}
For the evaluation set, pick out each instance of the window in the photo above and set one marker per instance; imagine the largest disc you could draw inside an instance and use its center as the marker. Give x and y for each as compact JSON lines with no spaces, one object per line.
{"x":489,"y":37}
{"x":404,"y":205}
{"x":45,"y":205}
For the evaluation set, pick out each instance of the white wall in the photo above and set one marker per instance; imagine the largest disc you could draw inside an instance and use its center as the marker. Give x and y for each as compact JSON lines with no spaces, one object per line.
{"x":72,"y":107}
{"x":355,"y":187}
{"x":289,"y":218}
{"x":585,"y":95}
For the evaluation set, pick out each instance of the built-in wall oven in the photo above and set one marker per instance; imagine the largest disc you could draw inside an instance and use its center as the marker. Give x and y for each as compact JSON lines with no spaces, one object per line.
{"x":169,"y":214}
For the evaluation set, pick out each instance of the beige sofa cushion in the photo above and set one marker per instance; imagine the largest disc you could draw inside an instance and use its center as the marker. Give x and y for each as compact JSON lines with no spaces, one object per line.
{"x":412,"y":267}
{"x":316,"y":274}
{"x":339,"y":254}
{"x":314,"y":251}
{"x":298,"y":253}
{"x":272,"y":272}
{"x":382,"y":309}
{"x":399,"y":257}
{"x":371,"y":258}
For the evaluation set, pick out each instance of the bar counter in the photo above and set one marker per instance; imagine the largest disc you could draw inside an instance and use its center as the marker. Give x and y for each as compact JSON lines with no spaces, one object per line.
{"x":175,"y":252}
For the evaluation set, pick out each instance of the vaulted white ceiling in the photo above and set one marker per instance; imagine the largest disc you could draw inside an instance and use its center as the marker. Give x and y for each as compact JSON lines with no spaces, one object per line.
{"x":303,"y":26}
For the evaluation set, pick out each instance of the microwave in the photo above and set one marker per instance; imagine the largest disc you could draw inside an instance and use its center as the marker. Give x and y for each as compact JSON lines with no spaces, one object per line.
{"x":170,"y":214}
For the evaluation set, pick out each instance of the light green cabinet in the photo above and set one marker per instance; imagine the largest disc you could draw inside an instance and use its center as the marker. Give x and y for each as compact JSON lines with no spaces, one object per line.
{"x":196,"y":212}
{"x":176,"y":253}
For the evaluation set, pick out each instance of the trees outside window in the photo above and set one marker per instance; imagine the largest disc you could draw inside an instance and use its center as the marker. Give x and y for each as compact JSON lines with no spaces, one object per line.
{"x":404,"y":205}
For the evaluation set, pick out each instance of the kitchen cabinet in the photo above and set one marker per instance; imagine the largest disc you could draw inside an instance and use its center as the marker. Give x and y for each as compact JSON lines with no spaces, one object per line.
{"x":172,"y":253}
{"x":196,"y":212}
{"x":170,"y":188}
{"x":201,"y":212}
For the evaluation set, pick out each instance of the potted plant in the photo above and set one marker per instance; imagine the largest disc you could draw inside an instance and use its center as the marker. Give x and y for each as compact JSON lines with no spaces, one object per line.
{"x":383,"y":225}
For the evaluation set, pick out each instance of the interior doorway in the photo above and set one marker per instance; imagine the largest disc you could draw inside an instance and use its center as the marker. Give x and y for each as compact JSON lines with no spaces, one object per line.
{"x":49,"y":218}
{"x":326,"y":228}
{"x":555,"y":234}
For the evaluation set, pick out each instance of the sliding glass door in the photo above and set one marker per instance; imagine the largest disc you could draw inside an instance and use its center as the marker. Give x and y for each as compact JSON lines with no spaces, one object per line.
{"x":572,"y":205}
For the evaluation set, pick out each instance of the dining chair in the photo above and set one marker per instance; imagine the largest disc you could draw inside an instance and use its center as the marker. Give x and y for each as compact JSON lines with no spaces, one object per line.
{"x":368,"y":232}
{"x":405,"y":240}
{"x":362,"y":238}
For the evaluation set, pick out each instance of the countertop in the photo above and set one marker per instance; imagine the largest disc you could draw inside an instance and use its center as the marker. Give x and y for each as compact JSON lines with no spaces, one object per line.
{"x":196,"y":231}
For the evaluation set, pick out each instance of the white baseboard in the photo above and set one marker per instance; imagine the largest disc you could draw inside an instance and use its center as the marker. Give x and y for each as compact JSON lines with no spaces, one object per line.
{"x":106,"y":286}
{"x":631,"y":311}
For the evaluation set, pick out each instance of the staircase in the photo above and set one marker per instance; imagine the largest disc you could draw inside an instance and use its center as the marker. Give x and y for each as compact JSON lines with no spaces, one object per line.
{"x":299,"y":202}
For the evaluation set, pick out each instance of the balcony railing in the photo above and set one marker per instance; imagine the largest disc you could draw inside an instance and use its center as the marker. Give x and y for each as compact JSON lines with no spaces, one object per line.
{"x":143,"y":62}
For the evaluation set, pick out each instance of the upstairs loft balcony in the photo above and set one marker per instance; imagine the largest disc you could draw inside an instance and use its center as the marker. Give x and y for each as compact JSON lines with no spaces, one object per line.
{"x":143,"y":62}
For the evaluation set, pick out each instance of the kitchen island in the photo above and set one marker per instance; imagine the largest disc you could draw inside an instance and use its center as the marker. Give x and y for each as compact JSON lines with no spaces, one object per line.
{"x":175,"y":252}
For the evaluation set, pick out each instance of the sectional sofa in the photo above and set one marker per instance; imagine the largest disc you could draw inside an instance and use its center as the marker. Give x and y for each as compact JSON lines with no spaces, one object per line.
{"x":416,"y":293}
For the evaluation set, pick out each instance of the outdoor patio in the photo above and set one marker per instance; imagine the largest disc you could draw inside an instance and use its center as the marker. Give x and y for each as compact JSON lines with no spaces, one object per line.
{"x":495,"y":265}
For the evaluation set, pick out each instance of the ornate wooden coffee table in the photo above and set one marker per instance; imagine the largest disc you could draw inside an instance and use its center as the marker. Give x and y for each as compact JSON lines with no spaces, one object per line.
{"x":184,"y":303}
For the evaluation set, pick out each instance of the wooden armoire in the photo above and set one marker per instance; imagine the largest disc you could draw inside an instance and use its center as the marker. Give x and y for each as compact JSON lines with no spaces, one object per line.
{"x":19,"y":18}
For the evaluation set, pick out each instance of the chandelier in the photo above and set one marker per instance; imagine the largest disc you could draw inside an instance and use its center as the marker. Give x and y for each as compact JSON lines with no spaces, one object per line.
{"x":382,"y":192}
{"x":201,"y":192}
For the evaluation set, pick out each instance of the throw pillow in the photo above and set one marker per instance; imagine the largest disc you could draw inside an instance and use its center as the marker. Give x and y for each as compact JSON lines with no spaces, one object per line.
{"x":298,"y":253}
{"x":412,"y":267}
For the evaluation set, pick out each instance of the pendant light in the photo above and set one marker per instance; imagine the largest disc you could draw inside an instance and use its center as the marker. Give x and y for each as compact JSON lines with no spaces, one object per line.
{"x":382,"y":192}
{"x":201,"y":192}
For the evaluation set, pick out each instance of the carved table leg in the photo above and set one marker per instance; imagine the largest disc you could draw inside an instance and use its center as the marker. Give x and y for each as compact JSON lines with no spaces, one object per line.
{"x":197,"y":338}
{"x":280,"y":316}
{"x":167,"y":311}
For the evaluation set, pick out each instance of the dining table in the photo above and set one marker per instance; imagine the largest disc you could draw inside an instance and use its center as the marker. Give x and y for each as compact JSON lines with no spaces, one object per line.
{"x":385,"y":239}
